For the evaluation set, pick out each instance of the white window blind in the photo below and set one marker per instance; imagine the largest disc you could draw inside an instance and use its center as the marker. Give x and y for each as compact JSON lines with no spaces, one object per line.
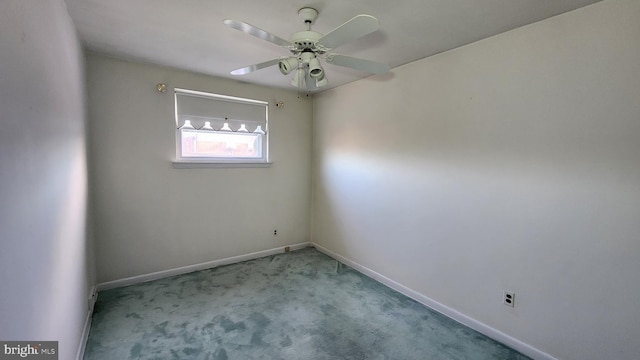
{"x":199,"y":107}
{"x":220,"y":128}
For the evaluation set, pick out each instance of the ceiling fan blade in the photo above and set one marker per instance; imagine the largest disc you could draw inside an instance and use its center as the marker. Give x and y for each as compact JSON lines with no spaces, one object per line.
{"x":252,"y":68}
{"x":369,"y":66}
{"x":359,"y":26}
{"x":257,"y":32}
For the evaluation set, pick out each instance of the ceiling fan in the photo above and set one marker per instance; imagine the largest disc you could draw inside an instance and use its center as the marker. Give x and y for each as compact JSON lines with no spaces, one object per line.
{"x":308,"y":46}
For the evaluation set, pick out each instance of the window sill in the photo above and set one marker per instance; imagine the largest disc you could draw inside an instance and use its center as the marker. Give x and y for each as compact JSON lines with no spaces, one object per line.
{"x":211,"y":165}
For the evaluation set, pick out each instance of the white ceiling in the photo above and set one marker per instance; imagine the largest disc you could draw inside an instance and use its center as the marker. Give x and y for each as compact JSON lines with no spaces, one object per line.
{"x":190,"y":35}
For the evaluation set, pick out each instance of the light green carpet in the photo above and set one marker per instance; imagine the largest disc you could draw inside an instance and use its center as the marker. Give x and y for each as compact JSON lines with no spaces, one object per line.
{"x":298,"y":305}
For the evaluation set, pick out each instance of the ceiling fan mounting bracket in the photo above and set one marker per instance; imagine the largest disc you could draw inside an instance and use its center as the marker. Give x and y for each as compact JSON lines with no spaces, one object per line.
{"x":309,"y":15}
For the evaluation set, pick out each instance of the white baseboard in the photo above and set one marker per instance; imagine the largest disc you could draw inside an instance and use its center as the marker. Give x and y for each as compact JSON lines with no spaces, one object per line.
{"x":432,"y":304}
{"x":482,"y":328}
{"x":197,"y":267}
{"x":87,"y":324}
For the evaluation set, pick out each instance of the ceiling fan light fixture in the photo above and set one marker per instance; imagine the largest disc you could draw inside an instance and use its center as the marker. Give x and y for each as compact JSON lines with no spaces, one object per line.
{"x":298,"y":79}
{"x":315,"y":70}
{"x":287,"y":65}
{"x":322,"y":81}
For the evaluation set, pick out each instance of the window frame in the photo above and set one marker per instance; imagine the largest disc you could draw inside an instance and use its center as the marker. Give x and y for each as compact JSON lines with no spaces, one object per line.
{"x":213,"y":161}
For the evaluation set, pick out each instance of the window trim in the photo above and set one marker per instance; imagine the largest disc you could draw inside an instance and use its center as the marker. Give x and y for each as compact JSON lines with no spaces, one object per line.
{"x":181,"y":162}
{"x":212,"y":165}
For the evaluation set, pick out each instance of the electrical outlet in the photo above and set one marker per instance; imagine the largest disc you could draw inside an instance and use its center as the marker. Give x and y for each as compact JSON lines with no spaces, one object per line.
{"x":275,"y":232}
{"x":287,"y":249}
{"x":509,"y":298}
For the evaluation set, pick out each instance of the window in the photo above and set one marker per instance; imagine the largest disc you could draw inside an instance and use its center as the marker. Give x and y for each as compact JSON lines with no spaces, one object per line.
{"x":212,"y":128}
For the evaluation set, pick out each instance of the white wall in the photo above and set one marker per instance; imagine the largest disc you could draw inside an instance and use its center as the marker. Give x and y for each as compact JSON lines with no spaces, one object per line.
{"x":45,"y":266}
{"x":152,"y":217}
{"x":511,"y":163}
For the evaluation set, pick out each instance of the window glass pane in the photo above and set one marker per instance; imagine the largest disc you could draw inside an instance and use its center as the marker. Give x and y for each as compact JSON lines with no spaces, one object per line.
{"x":221,"y":145}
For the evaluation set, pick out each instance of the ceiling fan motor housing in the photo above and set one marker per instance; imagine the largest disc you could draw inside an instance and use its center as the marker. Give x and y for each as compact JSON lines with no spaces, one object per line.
{"x":307,"y":41}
